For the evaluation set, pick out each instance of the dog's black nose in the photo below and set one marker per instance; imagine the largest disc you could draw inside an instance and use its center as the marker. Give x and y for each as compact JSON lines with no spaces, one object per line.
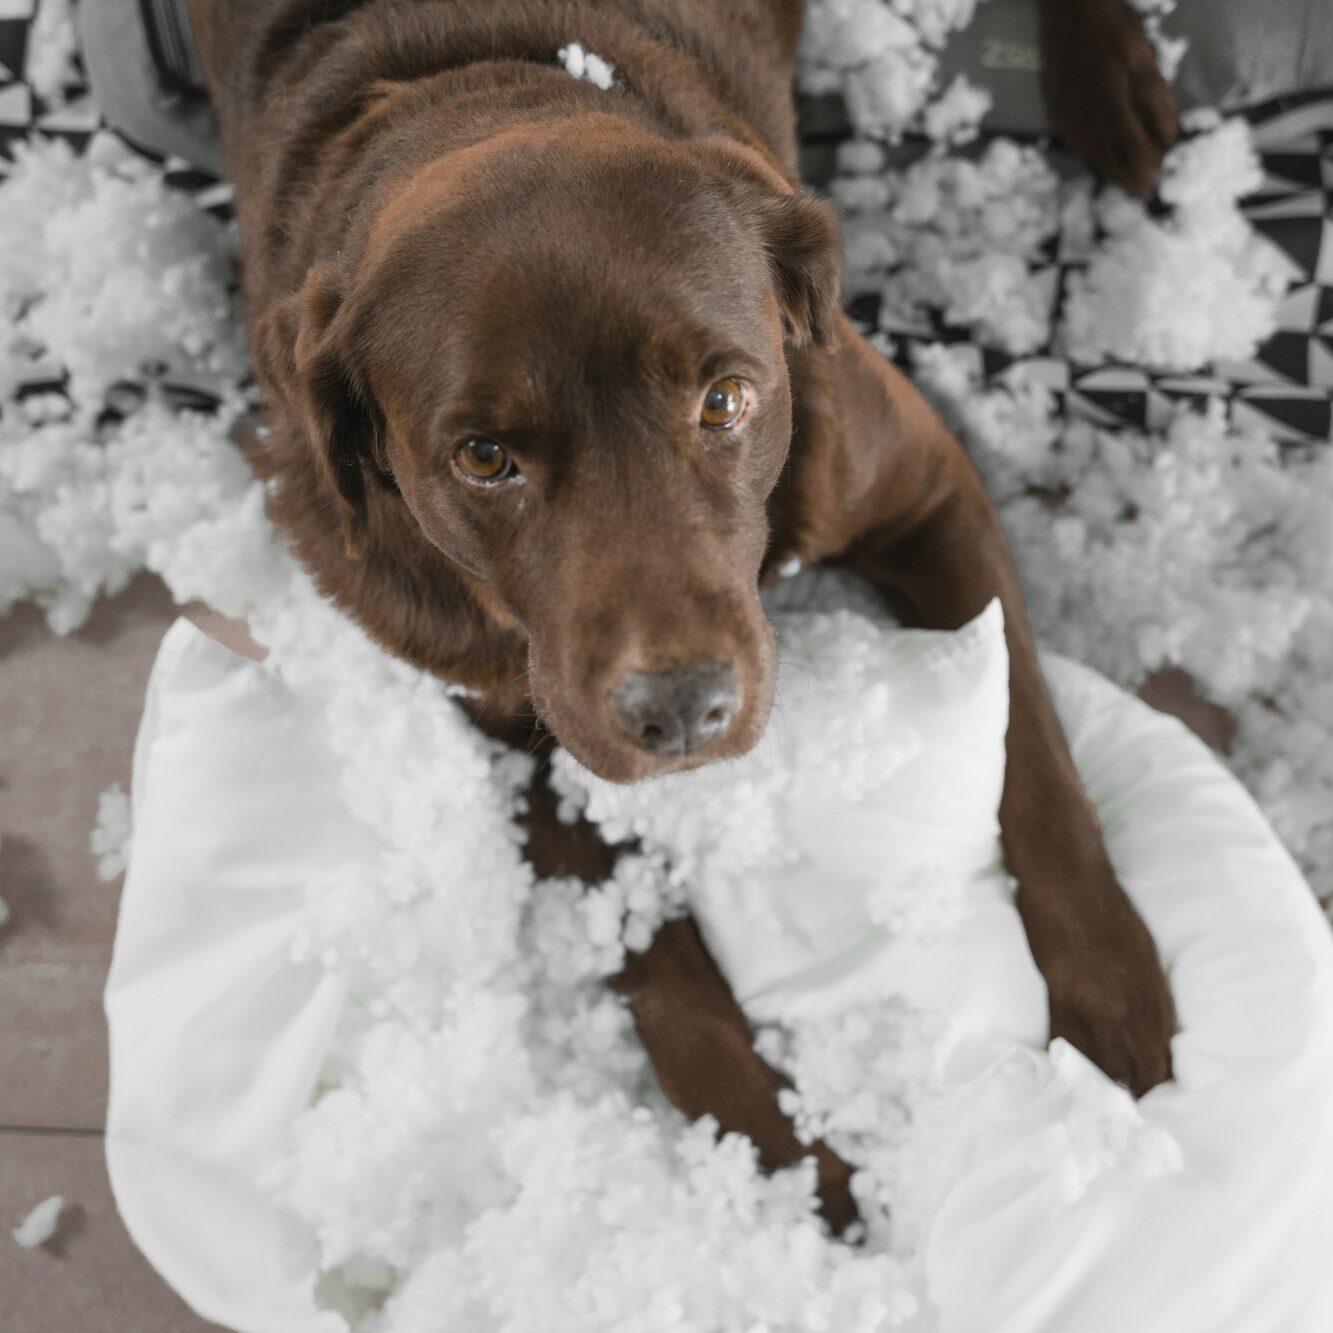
{"x":677,"y":711}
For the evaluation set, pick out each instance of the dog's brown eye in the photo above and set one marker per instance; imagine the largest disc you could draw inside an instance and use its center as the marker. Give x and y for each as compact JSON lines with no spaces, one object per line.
{"x":484,"y":460}
{"x":723,"y":405}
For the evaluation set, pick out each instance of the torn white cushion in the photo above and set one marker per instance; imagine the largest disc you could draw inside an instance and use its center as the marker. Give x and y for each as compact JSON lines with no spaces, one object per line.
{"x":845,"y":882}
{"x":217,"y":1038}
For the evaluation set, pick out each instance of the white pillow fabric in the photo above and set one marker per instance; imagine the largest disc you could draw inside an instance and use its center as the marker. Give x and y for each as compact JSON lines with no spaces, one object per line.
{"x":217,"y":1037}
{"x":1202,"y":1210}
{"x":1239,"y":1238}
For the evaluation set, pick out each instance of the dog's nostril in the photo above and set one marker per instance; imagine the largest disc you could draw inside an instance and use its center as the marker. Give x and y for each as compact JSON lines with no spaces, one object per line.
{"x":676,"y":711}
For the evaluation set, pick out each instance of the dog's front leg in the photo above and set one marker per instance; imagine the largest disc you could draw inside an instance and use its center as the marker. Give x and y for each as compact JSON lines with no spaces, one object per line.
{"x":702,"y":1051}
{"x":697,"y":1037}
{"x":917,"y":522}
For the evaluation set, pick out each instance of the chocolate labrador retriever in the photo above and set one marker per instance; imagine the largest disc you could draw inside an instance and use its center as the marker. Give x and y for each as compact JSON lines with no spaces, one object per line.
{"x":558,"y":377}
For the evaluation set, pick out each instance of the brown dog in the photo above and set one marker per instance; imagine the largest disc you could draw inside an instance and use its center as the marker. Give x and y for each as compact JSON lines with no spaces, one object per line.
{"x":558,"y":377}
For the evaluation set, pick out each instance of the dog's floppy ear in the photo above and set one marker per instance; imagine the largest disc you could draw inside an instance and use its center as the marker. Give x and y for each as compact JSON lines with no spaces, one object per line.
{"x":805,"y":255}
{"x":303,"y":352}
{"x":799,"y":233}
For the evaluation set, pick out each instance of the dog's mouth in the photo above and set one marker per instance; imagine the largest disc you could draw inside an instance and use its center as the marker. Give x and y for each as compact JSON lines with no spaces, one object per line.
{"x":640,"y":724}
{"x":657,"y":745}
{"x":679,"y":712}
{"x":615,"y":761}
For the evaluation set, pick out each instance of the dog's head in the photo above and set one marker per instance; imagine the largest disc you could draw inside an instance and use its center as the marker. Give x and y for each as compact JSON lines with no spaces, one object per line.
{"x":568,"y":350}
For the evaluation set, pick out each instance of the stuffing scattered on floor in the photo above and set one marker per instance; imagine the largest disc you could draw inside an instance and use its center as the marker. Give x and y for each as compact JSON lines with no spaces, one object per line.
{"x":40,"y":1225}
{"x":110,"y":839}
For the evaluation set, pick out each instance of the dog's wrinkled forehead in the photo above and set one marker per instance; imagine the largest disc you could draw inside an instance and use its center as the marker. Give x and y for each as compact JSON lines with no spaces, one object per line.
{"x":589,"y":374}
{"x":593,"y":286}
{"x":567,"y":330}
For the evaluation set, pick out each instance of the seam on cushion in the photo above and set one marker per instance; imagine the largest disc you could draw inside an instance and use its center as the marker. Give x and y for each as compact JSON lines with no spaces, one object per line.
{"x":977,"y":633}
{"x":175,"y":642}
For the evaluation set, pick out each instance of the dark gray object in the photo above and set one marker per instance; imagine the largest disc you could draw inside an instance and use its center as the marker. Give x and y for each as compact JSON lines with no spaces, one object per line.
{"x":141,"y":63}
{"x":145,"y":77}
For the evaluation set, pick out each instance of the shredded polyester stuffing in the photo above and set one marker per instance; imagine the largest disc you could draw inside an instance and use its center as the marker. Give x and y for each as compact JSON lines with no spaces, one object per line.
{"x":110,"y":840}
{"x":40,"y":1225}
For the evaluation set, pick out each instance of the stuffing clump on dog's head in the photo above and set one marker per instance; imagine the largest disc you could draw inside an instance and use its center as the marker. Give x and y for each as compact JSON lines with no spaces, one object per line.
{"x":585,"y":65}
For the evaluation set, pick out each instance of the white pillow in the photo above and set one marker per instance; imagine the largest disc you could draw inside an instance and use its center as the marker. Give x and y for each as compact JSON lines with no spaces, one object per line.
{"x":217,"y":1037}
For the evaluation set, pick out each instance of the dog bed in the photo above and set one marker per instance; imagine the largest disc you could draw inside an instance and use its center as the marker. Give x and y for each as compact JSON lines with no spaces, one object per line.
{"x":278,"y":1105}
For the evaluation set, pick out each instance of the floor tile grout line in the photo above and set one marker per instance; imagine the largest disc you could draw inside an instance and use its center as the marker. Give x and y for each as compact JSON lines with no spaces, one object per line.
{"x":51,"y":1131}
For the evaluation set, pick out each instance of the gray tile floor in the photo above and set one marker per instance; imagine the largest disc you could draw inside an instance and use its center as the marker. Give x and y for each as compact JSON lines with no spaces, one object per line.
{"x":69,"y":710}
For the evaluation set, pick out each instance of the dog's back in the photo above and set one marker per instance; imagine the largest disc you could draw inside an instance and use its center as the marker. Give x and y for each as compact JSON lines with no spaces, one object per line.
{"x":288,"y":77}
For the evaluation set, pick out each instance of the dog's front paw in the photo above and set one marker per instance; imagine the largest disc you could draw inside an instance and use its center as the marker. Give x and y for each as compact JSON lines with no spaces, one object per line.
{"x":837,"y":1203}
{"x":1110,"y":998}
{"x":1106,"y":96}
